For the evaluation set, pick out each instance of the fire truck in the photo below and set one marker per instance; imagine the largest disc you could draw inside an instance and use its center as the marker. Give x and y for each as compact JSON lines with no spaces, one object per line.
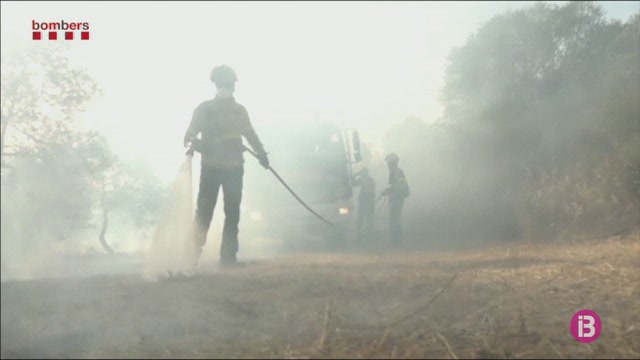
{"x":317,"y":161}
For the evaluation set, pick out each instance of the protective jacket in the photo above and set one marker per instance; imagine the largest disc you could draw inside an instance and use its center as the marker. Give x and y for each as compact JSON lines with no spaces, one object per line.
{"x":223,"y":122}
{"x":398,"y":186}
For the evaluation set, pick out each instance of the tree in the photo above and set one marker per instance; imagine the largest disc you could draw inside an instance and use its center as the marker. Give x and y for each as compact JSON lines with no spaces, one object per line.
{"x":47,"y":164}
{"x":130,"y":189}
{"x":539,"y":92}
{"x":41,"y":92}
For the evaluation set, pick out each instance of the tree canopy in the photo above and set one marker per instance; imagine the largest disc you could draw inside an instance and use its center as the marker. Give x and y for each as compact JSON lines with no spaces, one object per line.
{"x":54,"y":173}
{"x":542,"y":115}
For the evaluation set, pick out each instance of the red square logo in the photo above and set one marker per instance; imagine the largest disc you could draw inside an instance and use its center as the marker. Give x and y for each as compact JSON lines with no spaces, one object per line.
{"x":53,"y":35}
{"x":84,"y":35}
{"x":68,"y":35}
{"x":37,"y":35}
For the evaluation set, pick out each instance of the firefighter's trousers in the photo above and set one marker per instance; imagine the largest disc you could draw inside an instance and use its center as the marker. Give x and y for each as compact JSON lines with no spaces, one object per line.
{"x":395,"y":215}
{"x":211,"y":180}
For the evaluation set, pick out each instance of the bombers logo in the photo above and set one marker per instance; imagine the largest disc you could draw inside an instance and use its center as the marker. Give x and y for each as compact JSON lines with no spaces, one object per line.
{"x":52,"y":28}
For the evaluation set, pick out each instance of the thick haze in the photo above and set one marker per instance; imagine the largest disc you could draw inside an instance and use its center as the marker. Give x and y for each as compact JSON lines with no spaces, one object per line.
{"x":362,"y":64}
{"x":516,"y":125}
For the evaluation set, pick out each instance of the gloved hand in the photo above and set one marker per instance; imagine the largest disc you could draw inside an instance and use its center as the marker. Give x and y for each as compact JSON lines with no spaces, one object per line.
{"x":264,"y":160}
{"x":187,"y":141}
{"x":194,"y":145}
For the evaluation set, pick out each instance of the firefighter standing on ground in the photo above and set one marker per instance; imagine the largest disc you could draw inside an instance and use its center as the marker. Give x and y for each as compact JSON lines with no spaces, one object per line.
{"x":397,"y":192}
{"x":222,"y":123}
{"x":366,"y":199}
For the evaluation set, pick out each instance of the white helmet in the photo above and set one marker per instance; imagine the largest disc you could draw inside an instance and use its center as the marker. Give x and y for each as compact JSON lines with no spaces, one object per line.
{"x":392,"y":157}
{"x":223,"y":74}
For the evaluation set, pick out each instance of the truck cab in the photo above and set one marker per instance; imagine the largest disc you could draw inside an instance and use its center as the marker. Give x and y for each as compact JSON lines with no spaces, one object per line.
{"x":316,"y":160}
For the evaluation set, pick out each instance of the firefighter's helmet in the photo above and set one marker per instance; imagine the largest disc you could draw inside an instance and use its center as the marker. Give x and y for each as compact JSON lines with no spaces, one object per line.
{"x":393,"y":158}
{"x":223,"y":74}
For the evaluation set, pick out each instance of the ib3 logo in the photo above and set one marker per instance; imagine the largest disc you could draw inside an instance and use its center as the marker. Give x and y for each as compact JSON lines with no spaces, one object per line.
{"x":586,"y":326}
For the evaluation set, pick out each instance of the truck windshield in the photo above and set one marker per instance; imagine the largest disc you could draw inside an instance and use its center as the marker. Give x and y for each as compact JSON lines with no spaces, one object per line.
{"x":311,"y":158}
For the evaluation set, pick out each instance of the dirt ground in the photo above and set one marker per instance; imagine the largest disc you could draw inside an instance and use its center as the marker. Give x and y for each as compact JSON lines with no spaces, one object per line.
{"x":508,"y":301}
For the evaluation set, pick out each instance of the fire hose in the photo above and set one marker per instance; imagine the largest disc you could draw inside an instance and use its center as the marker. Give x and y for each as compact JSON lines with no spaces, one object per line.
{"x":191,"y":150}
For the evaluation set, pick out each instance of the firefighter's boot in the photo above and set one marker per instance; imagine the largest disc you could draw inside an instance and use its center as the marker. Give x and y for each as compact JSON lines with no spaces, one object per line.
{"x":194,"y":248}
{"x":229,"y":248}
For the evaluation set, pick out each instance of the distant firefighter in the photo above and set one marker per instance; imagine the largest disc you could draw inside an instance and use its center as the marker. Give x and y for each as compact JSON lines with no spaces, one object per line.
{"x":366,"y":199}
{"x":397,"y":191}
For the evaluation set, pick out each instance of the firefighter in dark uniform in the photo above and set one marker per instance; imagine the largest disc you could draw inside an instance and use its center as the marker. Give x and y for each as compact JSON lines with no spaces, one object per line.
{"x":366,"y":199}
{"x":221,"y":123}
{"x":397,"y":191}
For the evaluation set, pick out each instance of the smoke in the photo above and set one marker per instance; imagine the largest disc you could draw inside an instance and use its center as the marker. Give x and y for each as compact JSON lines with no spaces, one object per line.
{"x":38,"y":217}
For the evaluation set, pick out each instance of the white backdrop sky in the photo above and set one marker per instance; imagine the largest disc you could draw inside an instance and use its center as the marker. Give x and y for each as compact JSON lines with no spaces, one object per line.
{"x":362,"y":64}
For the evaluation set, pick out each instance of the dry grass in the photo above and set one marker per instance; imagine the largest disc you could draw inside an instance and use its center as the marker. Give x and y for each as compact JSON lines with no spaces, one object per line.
{"x":513,"y":301}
